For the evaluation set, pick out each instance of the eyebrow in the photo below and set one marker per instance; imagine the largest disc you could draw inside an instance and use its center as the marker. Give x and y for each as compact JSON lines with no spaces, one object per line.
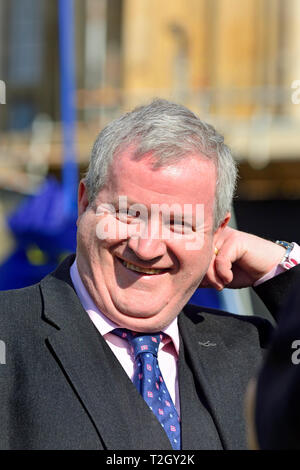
{"x":115,"y":201}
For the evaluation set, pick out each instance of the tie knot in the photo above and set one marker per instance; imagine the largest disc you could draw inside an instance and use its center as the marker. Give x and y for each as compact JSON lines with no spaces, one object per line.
{"x":141,"y":342}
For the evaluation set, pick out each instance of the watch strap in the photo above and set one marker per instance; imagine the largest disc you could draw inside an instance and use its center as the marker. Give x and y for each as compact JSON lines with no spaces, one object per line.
{"x":288,"y":260}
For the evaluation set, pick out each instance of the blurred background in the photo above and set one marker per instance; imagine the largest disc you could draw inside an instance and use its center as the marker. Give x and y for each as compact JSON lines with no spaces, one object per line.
{"x":69,"y":67}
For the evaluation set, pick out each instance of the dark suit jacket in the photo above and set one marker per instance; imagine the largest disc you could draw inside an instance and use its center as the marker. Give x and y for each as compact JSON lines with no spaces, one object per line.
{"x":278,"y":384}
{"x":62,"y":387}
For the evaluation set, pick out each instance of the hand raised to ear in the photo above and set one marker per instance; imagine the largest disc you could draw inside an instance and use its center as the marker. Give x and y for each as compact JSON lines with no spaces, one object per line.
{"x":242,"y":259}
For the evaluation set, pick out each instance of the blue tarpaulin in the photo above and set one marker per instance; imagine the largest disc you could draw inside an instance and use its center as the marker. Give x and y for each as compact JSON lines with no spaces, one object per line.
{"x":44,"y":225}
{"x":44,"y":235}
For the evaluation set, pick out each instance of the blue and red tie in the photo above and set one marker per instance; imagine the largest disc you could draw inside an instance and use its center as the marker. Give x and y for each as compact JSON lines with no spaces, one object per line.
{"x":150,"y":383}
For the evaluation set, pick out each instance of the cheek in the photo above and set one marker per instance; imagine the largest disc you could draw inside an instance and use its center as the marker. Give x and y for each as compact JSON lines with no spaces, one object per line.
{"x":87,"y":241}
{"x":85,"y":234}
{"x":110,"y":230}
{"x":194,"y":263}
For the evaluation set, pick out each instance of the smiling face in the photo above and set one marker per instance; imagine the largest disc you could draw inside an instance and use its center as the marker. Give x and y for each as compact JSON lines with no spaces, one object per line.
{"x":140,"y":278}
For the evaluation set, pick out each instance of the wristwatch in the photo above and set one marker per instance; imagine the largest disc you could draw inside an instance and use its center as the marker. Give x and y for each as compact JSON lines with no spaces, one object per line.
{"x":286,"y":262}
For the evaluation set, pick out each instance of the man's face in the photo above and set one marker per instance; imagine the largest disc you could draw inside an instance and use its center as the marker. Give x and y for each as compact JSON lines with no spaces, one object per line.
{"x":111,"y":268}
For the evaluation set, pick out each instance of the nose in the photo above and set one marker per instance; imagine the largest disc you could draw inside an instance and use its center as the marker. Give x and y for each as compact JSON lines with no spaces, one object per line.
{"x":148,"y":245}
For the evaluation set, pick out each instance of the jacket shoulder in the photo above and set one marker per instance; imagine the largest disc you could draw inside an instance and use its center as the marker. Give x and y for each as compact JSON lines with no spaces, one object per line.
{"x":18,"y":305}
{"x":231,"y":323}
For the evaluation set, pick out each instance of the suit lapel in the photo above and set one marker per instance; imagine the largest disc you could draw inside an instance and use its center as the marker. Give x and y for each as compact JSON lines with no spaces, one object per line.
{"x":222,"y":371}
{"x":198,"y":431}
{"x":115,"y":407}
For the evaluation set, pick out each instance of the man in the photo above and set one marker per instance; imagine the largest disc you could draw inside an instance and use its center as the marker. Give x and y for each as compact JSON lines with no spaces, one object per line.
{"x":273,"y":410}
{"x":152,"y":223}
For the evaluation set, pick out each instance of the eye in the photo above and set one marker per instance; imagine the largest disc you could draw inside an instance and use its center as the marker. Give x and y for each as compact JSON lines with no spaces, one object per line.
{"x":179,"y":226}
{"x":127,"y":216}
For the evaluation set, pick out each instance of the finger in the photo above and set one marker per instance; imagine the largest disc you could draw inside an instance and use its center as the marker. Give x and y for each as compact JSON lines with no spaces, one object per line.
{"x":212,"y":278}
{"x":223,"y":268}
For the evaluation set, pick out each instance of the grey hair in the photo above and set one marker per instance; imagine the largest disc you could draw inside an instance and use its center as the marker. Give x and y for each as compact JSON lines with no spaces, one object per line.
{"x":170,"y":132}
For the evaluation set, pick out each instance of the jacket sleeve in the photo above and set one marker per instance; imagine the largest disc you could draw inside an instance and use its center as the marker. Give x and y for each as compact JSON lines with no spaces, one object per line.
{"x":275,"y":292}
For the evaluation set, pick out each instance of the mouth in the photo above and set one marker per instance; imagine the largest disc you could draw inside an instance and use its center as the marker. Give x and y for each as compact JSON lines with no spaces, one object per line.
{"x":139,"y":269}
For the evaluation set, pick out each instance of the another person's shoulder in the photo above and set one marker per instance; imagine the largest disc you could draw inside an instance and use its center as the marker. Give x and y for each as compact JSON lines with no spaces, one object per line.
{"x":276,"y":404}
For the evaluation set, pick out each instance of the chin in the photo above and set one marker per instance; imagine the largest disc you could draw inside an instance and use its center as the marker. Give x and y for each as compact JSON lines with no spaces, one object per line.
{"x":137,"y":319}
{"x":137,"y":306}
{"x":146,"y":325}
{"x":134,"y":311}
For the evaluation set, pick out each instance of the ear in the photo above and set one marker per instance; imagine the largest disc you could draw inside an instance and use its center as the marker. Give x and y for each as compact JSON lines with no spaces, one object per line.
{"x":83,"y":201}
{"x":221,"y":227}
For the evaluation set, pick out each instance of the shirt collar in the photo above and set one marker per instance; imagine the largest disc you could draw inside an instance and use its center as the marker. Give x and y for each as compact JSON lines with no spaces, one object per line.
{"x":104,"y":324}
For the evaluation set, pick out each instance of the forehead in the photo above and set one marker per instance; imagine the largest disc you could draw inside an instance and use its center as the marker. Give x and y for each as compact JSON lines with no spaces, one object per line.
{"x":190,"y":180}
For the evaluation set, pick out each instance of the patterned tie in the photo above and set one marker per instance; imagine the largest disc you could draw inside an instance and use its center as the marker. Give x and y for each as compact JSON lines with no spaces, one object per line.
{"x":149,"y":381}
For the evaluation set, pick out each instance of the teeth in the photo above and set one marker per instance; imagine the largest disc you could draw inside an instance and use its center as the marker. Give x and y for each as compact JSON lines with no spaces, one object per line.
{"x":141,"y":270}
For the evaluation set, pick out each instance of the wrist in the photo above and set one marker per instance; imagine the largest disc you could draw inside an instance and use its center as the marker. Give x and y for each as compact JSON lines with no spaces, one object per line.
{"x":291,"y":258}
{"x":287,"y":261}
{"x":262,"y":256}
